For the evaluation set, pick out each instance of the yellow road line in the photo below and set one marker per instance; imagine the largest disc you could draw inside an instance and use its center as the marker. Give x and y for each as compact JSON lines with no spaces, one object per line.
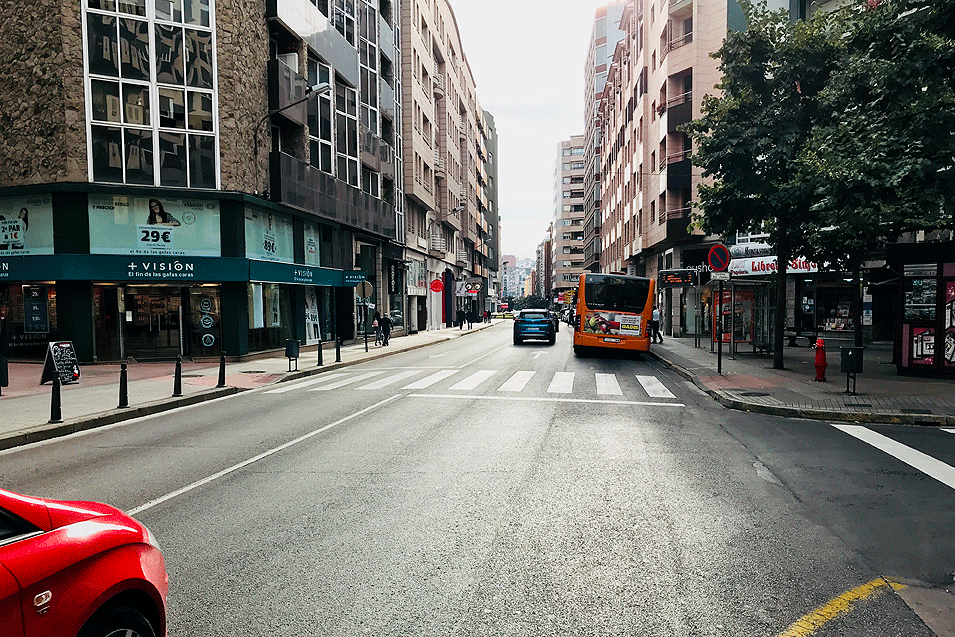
{"x":837,"y":607}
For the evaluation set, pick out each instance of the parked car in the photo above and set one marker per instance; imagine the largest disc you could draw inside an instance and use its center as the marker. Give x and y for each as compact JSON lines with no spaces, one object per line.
{"x":533,"y":324}
{"x":78,"y":569}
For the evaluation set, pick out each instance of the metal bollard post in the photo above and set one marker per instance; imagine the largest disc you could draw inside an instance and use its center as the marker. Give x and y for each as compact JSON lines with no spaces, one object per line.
{"x":320,"y":363}
{"x":338,"y":349}
{"x":177,"y":382}
{"x":56,"y":414}
{"x":123,"y":391}
{"x":221,"y":371}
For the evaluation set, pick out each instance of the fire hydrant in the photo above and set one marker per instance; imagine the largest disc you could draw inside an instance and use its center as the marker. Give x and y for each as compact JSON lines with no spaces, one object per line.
{"x":820,"y":348}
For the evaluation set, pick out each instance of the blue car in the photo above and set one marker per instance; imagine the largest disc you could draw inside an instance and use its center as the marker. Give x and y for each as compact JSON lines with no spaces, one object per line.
{"x":534,"y":324}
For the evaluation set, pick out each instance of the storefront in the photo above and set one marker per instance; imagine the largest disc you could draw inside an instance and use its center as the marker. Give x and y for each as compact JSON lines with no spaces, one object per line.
{"x":126,"y":276}
{"x":925,"y":340}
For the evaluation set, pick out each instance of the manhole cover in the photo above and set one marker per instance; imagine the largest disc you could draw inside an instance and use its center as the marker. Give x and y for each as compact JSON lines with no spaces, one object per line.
{"x":253,"y":372}
{"x":916,"y":411}
{"x":753,"y":393}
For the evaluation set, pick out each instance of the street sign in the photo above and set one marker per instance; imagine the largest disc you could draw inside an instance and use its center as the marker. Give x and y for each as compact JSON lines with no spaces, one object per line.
{"x":437,"y":285}
{"x":718,"y":257}
{"x":364,"y":289}
{"x":719,"y":276}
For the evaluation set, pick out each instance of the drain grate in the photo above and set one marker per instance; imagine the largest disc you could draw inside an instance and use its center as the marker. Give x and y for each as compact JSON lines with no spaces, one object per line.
{"x":753,"y":393}
{"x":915,"y":411}
{"x":192,"y":375}
{"x":253,"y":372}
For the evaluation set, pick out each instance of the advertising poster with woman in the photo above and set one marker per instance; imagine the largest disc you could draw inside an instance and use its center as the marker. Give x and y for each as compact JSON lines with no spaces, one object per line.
{"x":155,"y":226}
{"x":26,"y":225}
{"x":950,"y":324}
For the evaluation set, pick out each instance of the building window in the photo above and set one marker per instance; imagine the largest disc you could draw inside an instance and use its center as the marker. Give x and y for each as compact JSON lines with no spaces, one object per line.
{"x":346,"y":133}
{"x":152,"y":118}
{"x":320,"y":118}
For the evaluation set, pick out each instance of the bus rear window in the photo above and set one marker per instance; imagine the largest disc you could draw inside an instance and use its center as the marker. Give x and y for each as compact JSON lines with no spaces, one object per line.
{"x":623,"y":294}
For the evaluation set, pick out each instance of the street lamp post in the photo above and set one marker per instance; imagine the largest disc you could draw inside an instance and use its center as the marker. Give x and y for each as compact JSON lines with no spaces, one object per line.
{"x":310,"y":92}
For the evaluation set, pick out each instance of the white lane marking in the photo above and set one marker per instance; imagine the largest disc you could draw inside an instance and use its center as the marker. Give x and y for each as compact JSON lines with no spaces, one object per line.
{"x":951,"y":431}
{"x":246,"y":463}
{"x":516,"y":382}
{"x":428,"y":381}
{"x":923,"y":462}
{"x":563,"y":383}
{"x":538,"y":355}
{"x":397,"y":378}
{"x":607,"y":384}
{"x":547,"y":399}
{"x":287,"y":387}
{"x":347,"y":381}
{"x":473,"y":380}
{"x":654,"y":388}
{"x":437,"y":355}
{"x":493,"y":351}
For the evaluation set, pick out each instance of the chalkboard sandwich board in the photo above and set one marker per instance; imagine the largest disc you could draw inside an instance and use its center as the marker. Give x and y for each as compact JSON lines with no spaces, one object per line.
{"x":60,"y":362}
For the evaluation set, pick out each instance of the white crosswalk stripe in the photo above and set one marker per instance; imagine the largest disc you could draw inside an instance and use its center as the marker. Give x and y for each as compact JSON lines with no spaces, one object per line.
{"x":472,"y":381}
{"x":607,"y":385}
{"x":563,"y":383}
{"x":287,"y":387}
{"x":390,"y":380}
{"x":654,"y":388}
{"x":428,"y":381}
{"x":348,"y":381}
{"x":516,"y":382}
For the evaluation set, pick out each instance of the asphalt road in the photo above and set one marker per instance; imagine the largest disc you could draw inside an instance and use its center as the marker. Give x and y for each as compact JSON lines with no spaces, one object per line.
{"x":481,"y":488}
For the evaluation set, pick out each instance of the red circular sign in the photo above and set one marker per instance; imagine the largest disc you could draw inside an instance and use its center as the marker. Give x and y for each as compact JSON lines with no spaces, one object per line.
{"x":718,"y":257}
{"x":437,"y":285}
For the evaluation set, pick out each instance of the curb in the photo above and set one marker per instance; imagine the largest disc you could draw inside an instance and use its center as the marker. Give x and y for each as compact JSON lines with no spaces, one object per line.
{"x":920,"y":420}
{"x":113,"y":416}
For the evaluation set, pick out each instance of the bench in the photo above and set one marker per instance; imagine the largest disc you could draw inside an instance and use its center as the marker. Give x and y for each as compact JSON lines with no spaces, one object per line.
{"x":762,"y":347}
{"x":792,"y":333}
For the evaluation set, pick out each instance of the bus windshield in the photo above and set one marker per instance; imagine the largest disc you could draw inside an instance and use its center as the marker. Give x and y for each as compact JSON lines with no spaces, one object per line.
{"x":616,"y":293}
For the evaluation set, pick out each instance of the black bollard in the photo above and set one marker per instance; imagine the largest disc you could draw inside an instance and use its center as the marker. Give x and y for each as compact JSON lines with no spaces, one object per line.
{"x":177,"y":383}
{"x":338,"y":350}
{"x":123,"y":391}
{"x":320,"y":363}
{"x":56,"y":414}
{"x":221,"y":371}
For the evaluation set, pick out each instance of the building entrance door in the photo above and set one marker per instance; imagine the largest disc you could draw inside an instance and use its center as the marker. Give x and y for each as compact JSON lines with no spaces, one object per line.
{"x":153,"y":322}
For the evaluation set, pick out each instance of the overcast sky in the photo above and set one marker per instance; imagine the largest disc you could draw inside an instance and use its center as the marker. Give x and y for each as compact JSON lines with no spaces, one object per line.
{"x":527,"y":57}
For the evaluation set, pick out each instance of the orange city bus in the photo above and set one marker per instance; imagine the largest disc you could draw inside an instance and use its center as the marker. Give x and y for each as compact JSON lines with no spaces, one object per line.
{"x":613,"y":311}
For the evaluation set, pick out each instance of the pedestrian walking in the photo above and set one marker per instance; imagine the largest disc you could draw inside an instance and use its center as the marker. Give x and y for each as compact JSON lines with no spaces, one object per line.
{"x":470,"y":318}
{"x":460,"y":317}
{"x":385,"y":324}
{"x":487,"y":316}
{"x":376,"y":324}
{"x":655,"y":335}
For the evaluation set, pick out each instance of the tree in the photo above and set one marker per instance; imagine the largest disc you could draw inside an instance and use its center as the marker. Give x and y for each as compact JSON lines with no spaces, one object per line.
{"x":885,"y":154}
{"x":750,"y":138}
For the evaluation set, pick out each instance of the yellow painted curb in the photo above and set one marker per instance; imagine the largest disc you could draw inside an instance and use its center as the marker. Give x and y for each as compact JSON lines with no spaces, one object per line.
{"x":837,"y":607}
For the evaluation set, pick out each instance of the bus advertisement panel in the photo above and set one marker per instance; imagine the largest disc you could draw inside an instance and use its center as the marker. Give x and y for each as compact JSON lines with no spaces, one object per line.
{"x":613,"y":311}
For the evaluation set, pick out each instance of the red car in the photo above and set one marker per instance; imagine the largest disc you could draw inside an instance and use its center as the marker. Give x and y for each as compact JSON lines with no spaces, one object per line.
{"x":78,"y":569}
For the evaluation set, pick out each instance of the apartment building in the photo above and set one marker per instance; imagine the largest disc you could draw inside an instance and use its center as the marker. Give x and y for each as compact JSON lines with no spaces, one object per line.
{"x":198,"y":178}
{"x":567,"y":244}
{"x":451,"y":210}
{"x":543,"y":283}
{"x":604,"y":36}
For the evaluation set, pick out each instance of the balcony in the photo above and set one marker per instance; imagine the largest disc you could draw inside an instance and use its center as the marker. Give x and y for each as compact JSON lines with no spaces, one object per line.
{"x":678,"y":223}
{"x":303,"y":18}
{"x":376,"y":153}
{"x":437,"y":86}
{"x":286,"y":87}
{"x":679,"y":171}
{"x":303,"y":186}
{"x":679,"y":111}
{"x":439,"y":170}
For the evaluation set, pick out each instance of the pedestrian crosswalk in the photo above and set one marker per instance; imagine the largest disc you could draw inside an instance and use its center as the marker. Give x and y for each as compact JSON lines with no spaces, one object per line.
{"x":584,"y":384}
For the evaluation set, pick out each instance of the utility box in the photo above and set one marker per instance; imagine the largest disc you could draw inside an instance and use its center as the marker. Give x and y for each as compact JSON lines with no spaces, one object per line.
{"x":291,"y":353}
{"x":4,"y":376}
{"x":851,"y":360}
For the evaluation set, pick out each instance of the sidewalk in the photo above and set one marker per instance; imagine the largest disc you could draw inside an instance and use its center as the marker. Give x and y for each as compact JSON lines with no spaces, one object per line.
{"x":25,"y":406}
{"x":749,"y":383}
